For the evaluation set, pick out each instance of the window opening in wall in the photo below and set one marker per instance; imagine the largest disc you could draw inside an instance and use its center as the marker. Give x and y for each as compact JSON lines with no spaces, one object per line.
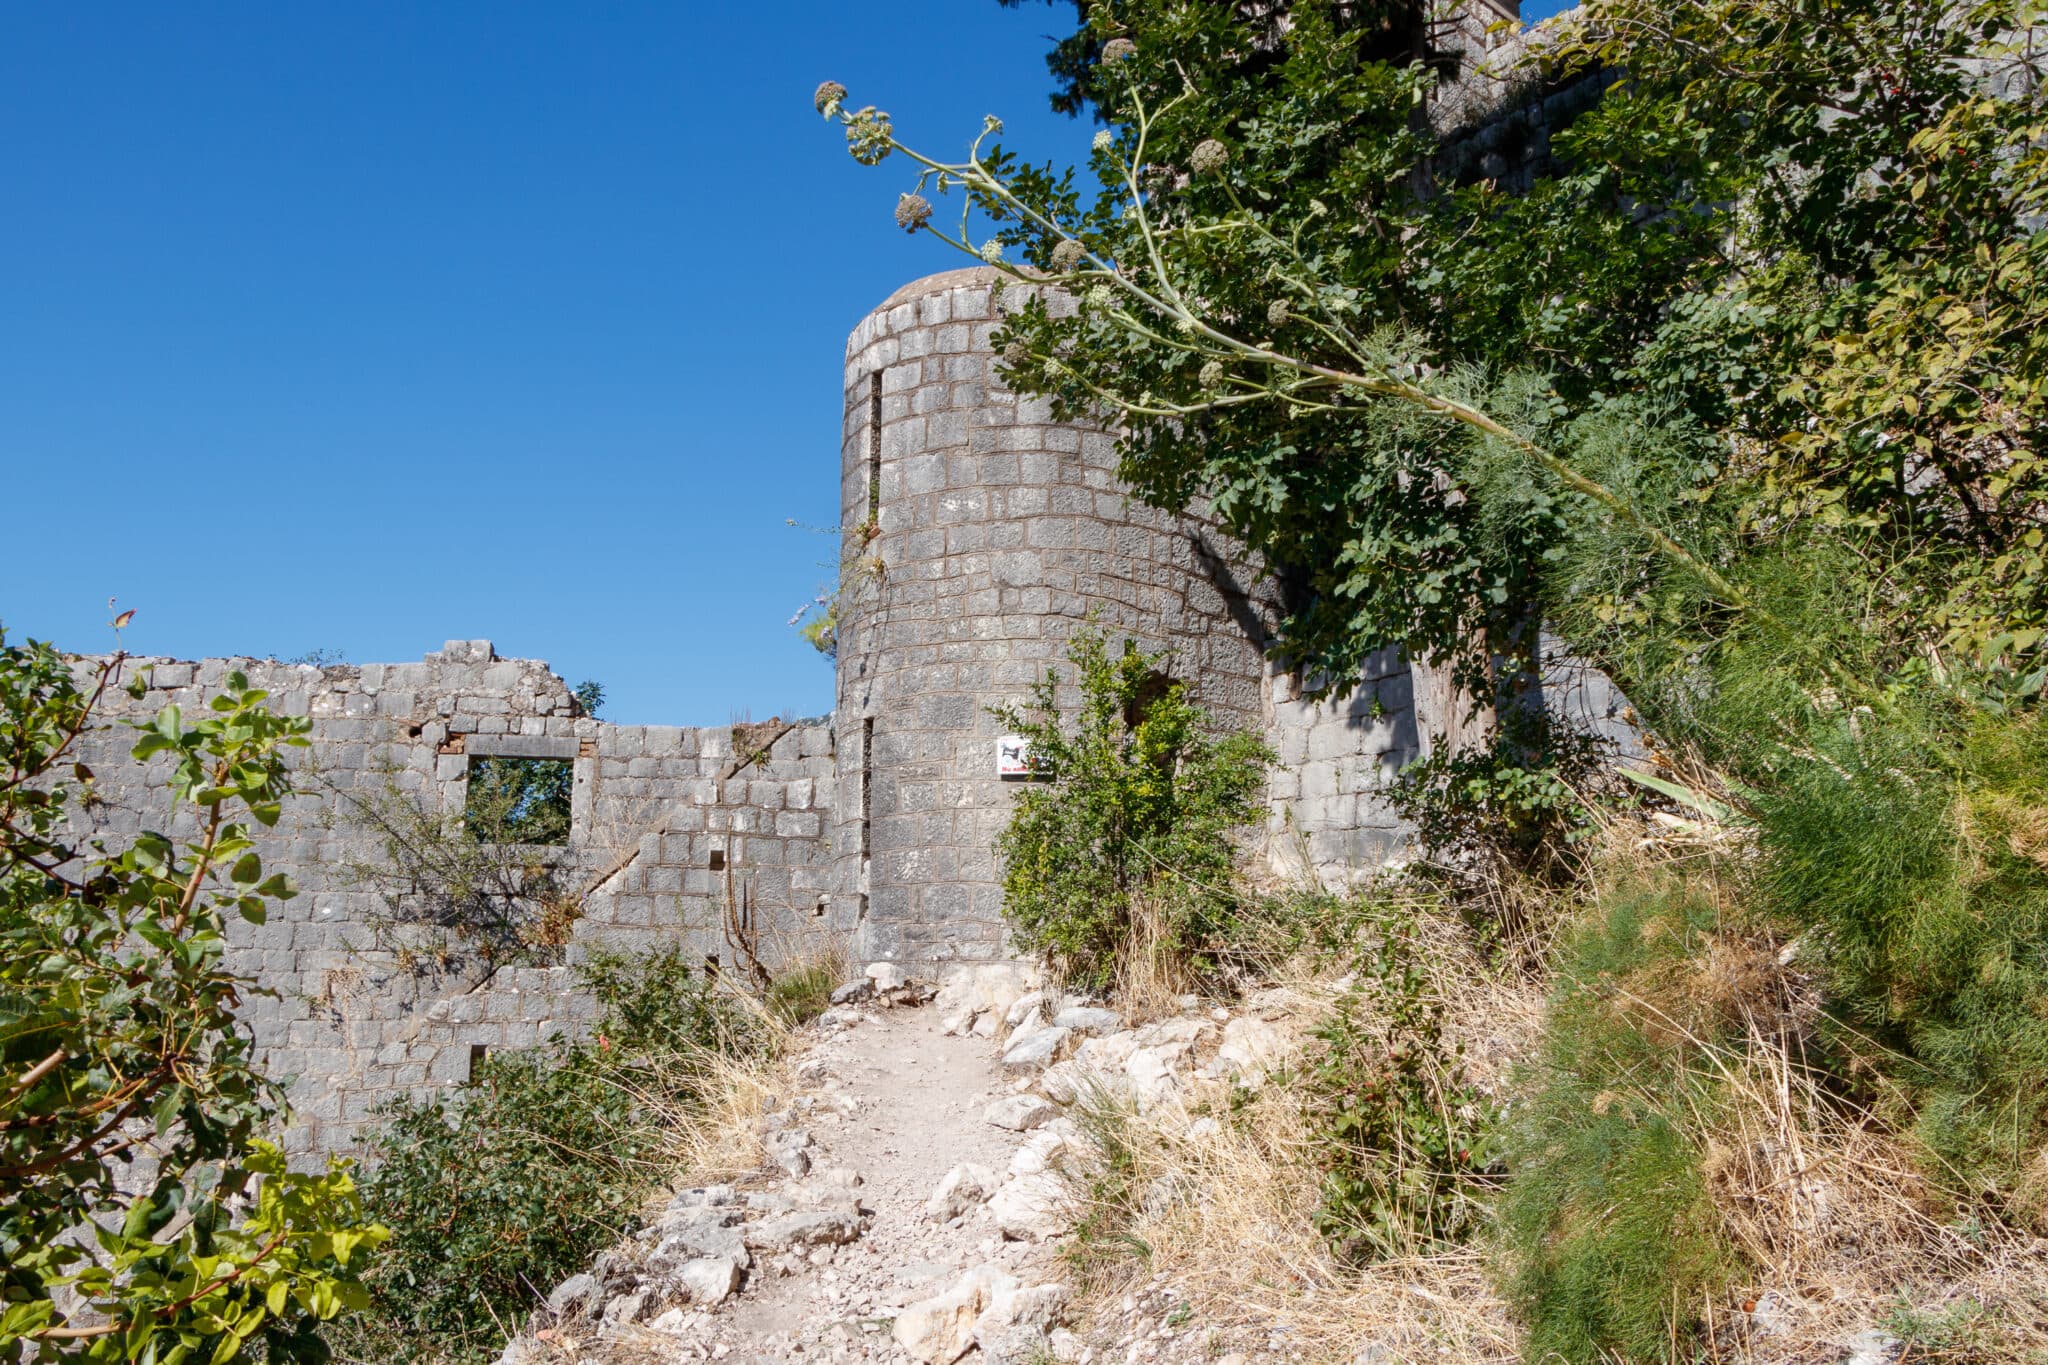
{"x":874,"y":446}
{"x":1154,"y":688}
{"x":711,"y":966}
{"x":519,"y":800}
{"x":718,"y":860}
{"x":477,"y":1053}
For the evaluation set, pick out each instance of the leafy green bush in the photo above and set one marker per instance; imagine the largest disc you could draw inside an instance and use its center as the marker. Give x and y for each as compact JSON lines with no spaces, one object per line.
{"x":1516,"y":804}
{"x":1137,"y":803}
{"x":1613,"y":1241}
{"x":1400,"y":1134}
{"x":118,"y":1033}
{"x":540,"y":1160}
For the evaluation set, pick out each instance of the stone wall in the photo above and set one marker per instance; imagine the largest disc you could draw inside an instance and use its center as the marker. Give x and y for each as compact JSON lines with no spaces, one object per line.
{"x":1329,"y":819}
{"x":669,"y":826}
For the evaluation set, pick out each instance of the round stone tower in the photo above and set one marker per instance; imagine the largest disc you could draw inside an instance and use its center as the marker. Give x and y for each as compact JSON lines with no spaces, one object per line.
{"x":978,"y":532}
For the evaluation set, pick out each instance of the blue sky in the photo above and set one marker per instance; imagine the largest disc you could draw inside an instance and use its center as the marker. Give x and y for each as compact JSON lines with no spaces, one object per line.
{"x":364,"y":326}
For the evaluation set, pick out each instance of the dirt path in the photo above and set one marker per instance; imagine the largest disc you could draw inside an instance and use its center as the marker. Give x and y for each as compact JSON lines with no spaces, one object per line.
{"x":901,"y":1104}
{"x":906,"y":1209}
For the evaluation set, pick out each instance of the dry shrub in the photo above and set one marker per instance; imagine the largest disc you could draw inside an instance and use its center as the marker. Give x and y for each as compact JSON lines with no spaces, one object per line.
{"x":1840,"y":1227}
{"x":1152,"y":970}
{"x":1218,"y":1190}
{"x":715,"y":1134}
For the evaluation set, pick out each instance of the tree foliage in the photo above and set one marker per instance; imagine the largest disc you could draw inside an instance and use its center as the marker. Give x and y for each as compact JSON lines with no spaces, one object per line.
{"x":1300,"y":301}
{"x":144,"y":1214}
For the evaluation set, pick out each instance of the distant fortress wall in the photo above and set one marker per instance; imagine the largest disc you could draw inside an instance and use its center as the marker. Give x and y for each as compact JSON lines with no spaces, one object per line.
{"x":674,"y":831}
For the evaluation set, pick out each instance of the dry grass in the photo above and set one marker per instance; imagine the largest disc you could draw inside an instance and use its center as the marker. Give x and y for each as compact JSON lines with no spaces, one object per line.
{"x":714,"y":1134}
{"x":1831,"y":1211}
{"x":1217,"y":1192}
{"x":1152,"y":969}
{"x":1842,"y":1229}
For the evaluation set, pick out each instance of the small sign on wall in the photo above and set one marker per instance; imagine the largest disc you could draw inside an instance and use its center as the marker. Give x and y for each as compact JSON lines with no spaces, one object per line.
{"x":1013,"y":756}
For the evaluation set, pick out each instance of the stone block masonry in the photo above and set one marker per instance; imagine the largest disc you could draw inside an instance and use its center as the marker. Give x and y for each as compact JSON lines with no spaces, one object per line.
{"x":669,"y":825}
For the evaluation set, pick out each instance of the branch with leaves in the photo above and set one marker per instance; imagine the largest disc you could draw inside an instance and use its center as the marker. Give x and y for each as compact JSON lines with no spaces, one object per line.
{"x":118,"y":1026}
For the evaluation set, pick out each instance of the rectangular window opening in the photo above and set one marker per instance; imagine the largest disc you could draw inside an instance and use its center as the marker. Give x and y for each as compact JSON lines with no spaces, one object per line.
{"x":477,"y":1053}
{"x":718,"y":860}
{"x":519,"y":800}
{"x":711,"y":966}
{"x":874,"y":446}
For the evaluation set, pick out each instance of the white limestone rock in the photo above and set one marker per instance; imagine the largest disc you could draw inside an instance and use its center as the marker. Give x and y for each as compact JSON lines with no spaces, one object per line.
{"x":1034,"y":1050}
{"x":887,"y":976}
{"x":1097,"y":1023}
{"x":789,"y":1231}
{"x":1020,"y":1113}
{"x":709,"y":1279}
{"x":1031,"y":1208}
{"x":965,"y":1187}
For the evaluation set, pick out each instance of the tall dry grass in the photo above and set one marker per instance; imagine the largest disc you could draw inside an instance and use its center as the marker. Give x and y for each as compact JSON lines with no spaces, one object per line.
{"x":1217,"y":1188}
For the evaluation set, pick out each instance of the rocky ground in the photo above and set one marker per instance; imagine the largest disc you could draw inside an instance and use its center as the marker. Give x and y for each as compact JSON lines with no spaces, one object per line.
{"x":913,"y":1193}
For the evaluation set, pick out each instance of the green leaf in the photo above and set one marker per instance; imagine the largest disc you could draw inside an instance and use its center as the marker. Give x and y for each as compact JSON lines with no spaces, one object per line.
{"x":1717,"y":811}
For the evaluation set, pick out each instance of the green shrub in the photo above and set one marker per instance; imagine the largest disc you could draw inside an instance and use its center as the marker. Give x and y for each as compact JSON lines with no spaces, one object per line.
{"x":1921,"y":869}
{"x":1399,"y":1133}
{"x":537,"y":1162}
{"x":1515,"y":805}
{"x":1612,"y":1241}
{"x":803,"y":992}
{"x":121,"y":1035}
{"x":1136,"y":804}
{"x":499,"y":1193}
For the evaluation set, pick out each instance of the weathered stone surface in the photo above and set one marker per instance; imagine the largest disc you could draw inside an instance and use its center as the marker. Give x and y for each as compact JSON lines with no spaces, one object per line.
{"x":789,"y":1151}
{"x":1251,"y":1048}
{"x":1089,"y":1020}
{"x":1031,"y":1207}
{"x":1019,"y":1113}
{"x":650,"y":807}
{"x":887,"y":976}
{"x":1015,"y":1328}
{"x":824,"y":1227}
{"x":712,"y":1235}
{"x":938,"y":1330}
{"x":573,"y":1295}
{"x":963,"y":1188}
{"x":709,"y":1279}
{"x":1029,"y":1052}
{"x":627,"y":1308}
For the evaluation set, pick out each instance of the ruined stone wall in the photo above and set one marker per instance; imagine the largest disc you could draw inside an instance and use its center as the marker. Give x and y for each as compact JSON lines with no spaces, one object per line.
{"x":669,"y":825}
{"x":1329,"y":819}
{"x":979,"y":533}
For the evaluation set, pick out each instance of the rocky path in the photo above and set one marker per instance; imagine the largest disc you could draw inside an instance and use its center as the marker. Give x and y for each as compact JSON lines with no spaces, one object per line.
{"x":905,"y":1211}
{"x":901,"y":1105}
